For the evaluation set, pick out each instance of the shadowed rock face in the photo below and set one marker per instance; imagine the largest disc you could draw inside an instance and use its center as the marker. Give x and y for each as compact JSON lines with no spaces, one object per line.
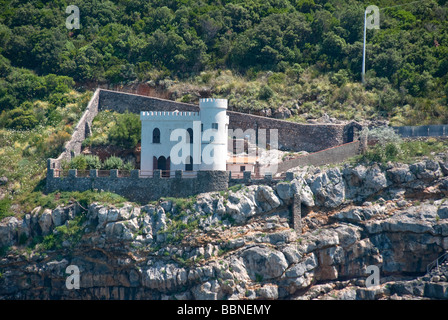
{"x":240,"y":245}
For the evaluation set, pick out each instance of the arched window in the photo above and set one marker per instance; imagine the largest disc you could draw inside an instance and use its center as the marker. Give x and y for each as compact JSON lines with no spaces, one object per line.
{"x":189,"y":164}
{"x":156,"y":135}
{"x":190,"y":135}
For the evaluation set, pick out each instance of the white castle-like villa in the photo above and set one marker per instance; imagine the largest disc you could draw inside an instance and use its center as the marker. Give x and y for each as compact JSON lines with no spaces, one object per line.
{"x":187,"y":141}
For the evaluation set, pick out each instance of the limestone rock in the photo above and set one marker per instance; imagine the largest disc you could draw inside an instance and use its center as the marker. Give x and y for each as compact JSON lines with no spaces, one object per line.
{"x":363,"y":182}
{"x":266,"y":198}
{"x":426,"y":170}
{"x":400,"y":174}
{"x":328,"y":188}
{"x":284,"y":191}
{"x":358,"y":214}
{"x":206,"y":291}
{"x":264,"y":263}
{"x":8,"y":233}
{"x":45,"y":221}
{"x":300,"y":187}
{"x":268,"y":292}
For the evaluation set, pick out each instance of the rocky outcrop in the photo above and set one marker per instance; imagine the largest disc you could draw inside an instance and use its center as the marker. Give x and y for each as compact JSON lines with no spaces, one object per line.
{"x":240,"y":244}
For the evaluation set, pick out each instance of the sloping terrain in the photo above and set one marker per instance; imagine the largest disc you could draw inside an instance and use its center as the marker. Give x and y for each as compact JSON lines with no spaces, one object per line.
{"x":239,"y":244}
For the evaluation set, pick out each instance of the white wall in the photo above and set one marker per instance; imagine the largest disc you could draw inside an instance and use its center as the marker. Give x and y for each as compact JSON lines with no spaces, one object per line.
{"x":212,"y":111}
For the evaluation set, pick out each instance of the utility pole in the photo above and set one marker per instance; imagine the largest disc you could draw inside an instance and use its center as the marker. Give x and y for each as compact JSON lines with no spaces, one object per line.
{"x":363,"y":73}
{"x":375,"y":24}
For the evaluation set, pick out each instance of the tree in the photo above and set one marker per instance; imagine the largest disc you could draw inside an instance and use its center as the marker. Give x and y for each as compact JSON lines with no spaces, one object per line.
{"x":126,"y":132}
{"x":20,"y":119}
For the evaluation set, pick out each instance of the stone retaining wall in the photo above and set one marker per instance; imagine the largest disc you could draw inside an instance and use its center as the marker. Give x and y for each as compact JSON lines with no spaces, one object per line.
{"x":141,"y":189}
{"x":329,"y":156}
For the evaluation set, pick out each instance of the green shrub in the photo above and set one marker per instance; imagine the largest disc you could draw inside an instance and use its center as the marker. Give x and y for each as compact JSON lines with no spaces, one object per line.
{"x":5,"y":206}
{"x":127,"y":131}
{"x":93,"y":162}
{"x":20,"y":119}
{"x":79,"y":162}
{"x":112,"y":163}
{"x":265,"y":93}
{"x":128,"y":166}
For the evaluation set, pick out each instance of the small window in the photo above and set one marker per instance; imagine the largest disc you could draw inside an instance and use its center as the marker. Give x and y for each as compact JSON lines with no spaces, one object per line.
{"x":202,"y":127}
{"x":242,"y":168}
{"x":214,"y":126}
{"x":156,"y":135}
{"x":190,"y":135}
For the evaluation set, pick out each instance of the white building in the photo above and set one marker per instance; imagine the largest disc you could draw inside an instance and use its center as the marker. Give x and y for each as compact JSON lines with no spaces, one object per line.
{"x":188,"y":141}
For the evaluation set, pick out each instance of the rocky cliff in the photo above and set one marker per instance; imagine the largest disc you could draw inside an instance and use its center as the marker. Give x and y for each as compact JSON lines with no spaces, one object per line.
{"x":239,"y":244}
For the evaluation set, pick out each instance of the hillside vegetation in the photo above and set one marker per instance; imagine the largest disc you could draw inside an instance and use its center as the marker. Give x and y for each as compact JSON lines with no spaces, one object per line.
{"x":304,"y":55}
{"x":295,"y":60}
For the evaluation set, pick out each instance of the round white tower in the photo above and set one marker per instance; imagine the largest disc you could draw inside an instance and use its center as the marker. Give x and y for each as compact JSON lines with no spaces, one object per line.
{"x":214,"y":127}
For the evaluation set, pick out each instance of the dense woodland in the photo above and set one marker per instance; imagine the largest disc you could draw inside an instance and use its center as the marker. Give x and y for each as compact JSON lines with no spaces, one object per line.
{"x":300,"y":55}
{"x":306,"y":51}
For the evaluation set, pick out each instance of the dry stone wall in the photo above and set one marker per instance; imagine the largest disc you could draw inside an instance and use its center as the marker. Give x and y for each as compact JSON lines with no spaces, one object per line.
{"x":141,"y":189}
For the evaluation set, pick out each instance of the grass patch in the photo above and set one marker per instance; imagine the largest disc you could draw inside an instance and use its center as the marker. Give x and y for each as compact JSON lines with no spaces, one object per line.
{"x":5,"y":206}
{"x":72,"y":232}
{"x":55,"y":199}
{"x":235,"y":188}
{"x":405,"y":151}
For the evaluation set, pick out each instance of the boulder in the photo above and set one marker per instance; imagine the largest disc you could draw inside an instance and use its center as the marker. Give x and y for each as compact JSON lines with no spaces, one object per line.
{"x":363,"y":182}
{"x":45,"y":221}
{"x":400,"y":174}
{"x":266,"y":198}
{"x":242,"y":206}
{"x":284,"y":191}
{"x":299,"y":269}
{"x":348,"y":234}
{"x":263,"y":263}
{"x":358,"y":214}
{"x":328,"y":188}
{"x":3,"y":181}
{"x":282,"y":113}
{"x":8,"y":231}
{"x":206,"y":291}
{"x":300,"y":187}
{"x":58,"y":216}
{"x":426,"y":170}
{"x":267,"y":292}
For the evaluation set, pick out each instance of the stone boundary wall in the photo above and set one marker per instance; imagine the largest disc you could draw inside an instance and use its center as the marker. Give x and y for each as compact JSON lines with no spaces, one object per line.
{"x":81,"y":131}
{"x":327,"y":156}
{"x":268,"y":179}
{"x":141,"y":189}
{"x":121,"y":102}
{"x":292,"y":135}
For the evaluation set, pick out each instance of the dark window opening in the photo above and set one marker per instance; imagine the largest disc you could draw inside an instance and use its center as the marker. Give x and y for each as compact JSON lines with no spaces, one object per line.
{"x":156,"y":135}
{"x":190,"y":135}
